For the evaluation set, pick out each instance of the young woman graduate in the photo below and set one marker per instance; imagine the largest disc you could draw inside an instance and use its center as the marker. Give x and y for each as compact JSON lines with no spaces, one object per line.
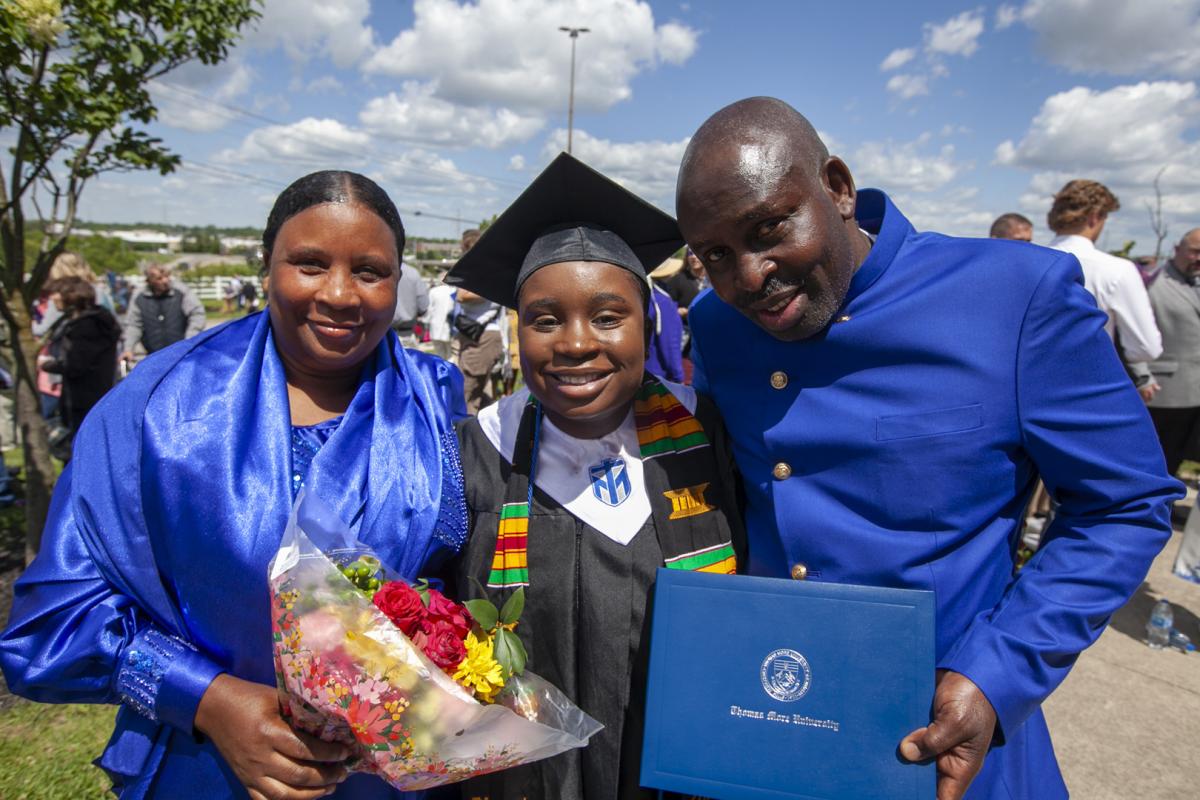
{"x":581,"y":485}
{"x":151,"y":585}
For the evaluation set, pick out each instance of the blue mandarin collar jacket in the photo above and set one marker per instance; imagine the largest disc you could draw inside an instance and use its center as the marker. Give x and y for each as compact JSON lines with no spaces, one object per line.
{"x":900,"y":446}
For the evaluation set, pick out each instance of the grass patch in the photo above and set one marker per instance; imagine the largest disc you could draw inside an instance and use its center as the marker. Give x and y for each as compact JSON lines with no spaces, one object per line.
{"x":46,"y":751}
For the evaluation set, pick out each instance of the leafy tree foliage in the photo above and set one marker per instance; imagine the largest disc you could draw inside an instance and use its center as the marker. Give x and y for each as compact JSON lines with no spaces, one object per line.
{"x":74,"y":96}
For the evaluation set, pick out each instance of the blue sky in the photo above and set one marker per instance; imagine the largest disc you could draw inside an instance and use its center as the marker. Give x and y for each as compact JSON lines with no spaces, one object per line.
{"x":961,"y":111}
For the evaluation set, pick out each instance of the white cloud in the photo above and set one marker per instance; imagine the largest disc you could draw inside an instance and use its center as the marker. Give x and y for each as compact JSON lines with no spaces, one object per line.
{"x":903,"y":166}
{"x":417,"y":172}
{"x":190,"y":96}
{"x":648,"y":169}
{"x":510,"y":53}
{"x":307,"y":28}
{"x":516,"y":163}
{"x":676,"y":43}
{"x":418,"y":115}
{"x":1089,"y":129}
{"x":954,"y":212}
{"x":1121,"y":137}
{"x":324,"y":84}
{"x":898,"y":58}
{"x":907,"y":86}
{"x":310,"y":143}
{"x":1157,"y":37}
{"x":957,"y":36}
{"x":1007,"y":16}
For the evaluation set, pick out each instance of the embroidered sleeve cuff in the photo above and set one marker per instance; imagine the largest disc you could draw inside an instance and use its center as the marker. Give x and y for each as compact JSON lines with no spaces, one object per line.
{"x":163,"y":678}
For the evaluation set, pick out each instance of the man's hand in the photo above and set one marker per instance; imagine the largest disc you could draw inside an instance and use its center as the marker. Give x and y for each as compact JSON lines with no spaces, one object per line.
{"x":959,"y":736}
{"x":271,"y":760}
{"x":1148,"y":391}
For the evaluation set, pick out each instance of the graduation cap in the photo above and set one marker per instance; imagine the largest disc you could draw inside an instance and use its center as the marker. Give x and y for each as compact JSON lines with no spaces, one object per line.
{"x":569,"y":213}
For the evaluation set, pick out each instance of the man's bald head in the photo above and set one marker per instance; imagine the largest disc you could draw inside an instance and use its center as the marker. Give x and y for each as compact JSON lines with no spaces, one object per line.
{"x":1187,"y":253}
{"x":771,"y":216}
{"x":764,"y":131}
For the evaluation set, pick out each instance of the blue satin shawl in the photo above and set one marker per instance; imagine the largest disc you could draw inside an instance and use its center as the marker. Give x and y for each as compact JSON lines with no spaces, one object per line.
{"x":174,"y":504}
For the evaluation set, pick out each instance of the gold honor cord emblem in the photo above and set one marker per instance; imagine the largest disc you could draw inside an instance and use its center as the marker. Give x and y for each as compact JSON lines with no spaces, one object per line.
{"x":688,"y":502}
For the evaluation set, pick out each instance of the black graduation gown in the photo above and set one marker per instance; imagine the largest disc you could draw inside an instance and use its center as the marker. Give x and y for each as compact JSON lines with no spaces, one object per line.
{"x":585,"y":626}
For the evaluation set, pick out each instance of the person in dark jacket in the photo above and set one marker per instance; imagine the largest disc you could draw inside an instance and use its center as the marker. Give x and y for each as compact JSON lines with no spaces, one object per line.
{"x":86,"y":342}
{"x":161,"y":313}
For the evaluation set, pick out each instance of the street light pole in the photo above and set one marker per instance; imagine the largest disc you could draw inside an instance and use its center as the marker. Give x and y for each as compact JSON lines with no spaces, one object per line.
{"x":574,"y":34}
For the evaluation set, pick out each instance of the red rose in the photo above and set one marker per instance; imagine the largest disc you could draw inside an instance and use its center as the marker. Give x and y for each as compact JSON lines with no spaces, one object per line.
{"x":444,"y":646}
{"x":402,"y":605}
{"x":421,"y":632}
{"x":443,"y":609}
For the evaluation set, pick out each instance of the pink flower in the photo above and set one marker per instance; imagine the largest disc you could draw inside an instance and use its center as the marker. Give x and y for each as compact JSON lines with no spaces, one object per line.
{"x":368,"y":721}
{"x":369,"y":690}
{"x":321,"y":631}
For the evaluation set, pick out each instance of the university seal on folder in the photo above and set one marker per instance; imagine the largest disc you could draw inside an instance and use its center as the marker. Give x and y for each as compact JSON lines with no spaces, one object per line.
{"x":765,"y":688}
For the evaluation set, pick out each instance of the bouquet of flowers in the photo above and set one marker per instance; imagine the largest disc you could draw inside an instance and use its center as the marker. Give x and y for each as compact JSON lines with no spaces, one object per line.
{"x":425,"y":690}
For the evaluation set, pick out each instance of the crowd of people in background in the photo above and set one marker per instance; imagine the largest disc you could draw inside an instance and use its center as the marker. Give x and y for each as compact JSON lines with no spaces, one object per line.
{"x":1153,"y":319}
{"x":91,"y":327}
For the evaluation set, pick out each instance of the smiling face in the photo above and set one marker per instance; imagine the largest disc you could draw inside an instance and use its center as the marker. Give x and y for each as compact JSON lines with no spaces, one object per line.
{"x":772,"y":231}
{"x":332,"y":287}
{"x":582,"y":331}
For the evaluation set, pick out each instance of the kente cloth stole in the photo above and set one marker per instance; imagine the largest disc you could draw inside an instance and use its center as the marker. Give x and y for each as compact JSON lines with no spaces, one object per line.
{"x":681,"y":480}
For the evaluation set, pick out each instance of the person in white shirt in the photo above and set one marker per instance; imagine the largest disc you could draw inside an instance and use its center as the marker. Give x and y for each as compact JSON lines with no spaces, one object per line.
{"x":437,"y":318}
{"x":1077,"y":218}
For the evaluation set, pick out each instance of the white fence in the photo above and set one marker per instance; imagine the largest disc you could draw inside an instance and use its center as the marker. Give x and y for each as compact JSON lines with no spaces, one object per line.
{"x":205,"y":288}
{"x":210,"y":288}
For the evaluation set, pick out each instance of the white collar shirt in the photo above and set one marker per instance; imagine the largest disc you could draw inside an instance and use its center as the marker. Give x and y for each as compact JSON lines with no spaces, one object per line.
{"x":565,"y":464}
{"x":1117,"y":286}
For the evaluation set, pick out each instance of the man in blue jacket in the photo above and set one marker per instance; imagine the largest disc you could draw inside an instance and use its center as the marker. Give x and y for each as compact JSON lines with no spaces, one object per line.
{"x":892,"y":397}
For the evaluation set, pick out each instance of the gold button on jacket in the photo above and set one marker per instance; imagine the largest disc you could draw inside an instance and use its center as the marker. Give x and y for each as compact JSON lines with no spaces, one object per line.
{"x":799,"y":572}
{"x":782,"y":471}
{"x":779,"y":380}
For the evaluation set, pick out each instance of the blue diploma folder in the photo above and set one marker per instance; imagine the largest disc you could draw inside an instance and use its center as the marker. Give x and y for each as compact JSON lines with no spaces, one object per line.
{"x":766,"y":688}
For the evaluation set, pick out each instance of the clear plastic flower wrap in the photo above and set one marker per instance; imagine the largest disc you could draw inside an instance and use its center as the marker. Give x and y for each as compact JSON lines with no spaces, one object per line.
{"x":346,"y":672}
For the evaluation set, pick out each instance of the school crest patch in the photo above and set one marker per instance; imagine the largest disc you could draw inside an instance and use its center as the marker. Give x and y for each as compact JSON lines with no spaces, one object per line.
{"x":610,"y":481}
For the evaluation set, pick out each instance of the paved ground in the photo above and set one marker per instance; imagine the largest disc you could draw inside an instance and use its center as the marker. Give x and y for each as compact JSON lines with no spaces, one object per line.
{"x":1126,"y":722}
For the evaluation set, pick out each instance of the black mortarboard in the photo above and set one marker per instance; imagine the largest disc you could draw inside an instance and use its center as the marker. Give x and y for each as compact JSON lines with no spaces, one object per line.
{"x":569,"y":213}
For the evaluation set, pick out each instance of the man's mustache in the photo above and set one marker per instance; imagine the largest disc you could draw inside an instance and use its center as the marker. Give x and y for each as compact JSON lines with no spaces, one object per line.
{"x":774,"y":285}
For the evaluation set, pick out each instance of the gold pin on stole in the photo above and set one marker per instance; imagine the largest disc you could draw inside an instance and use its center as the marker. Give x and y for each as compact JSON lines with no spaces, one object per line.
{"x":688,"y":502}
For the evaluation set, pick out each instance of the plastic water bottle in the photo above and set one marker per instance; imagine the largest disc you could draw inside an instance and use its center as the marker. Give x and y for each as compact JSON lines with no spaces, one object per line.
{"x":1181,"y":641}
{"x":1158,"y":629}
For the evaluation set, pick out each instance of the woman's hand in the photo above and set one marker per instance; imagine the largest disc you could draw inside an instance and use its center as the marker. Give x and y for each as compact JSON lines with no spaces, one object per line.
{"x":273,"y":761}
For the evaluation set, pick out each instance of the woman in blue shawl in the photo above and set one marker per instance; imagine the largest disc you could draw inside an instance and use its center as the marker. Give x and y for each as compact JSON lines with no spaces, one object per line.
{"x":151,"y":586}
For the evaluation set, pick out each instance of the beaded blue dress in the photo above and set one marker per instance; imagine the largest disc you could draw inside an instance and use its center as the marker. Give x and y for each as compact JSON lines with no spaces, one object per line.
{"x":152,"y":575}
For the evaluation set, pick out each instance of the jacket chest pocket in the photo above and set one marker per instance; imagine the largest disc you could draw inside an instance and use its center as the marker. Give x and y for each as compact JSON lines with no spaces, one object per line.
{"x":929,"y":465}
{"x":928,"y":423}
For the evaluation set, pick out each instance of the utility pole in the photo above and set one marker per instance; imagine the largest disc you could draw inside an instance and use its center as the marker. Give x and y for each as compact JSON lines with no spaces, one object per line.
{"x":574,"y":34}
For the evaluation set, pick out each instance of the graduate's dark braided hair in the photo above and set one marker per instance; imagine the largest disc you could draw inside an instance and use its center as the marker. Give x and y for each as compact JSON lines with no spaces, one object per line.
{"x":331,"y":186}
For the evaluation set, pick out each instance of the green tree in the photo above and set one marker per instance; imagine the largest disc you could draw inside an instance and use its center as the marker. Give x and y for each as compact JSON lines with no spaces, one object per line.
{"x":74,"y":93}
{"x":201,"y":240}
{"x":101,"y":252}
